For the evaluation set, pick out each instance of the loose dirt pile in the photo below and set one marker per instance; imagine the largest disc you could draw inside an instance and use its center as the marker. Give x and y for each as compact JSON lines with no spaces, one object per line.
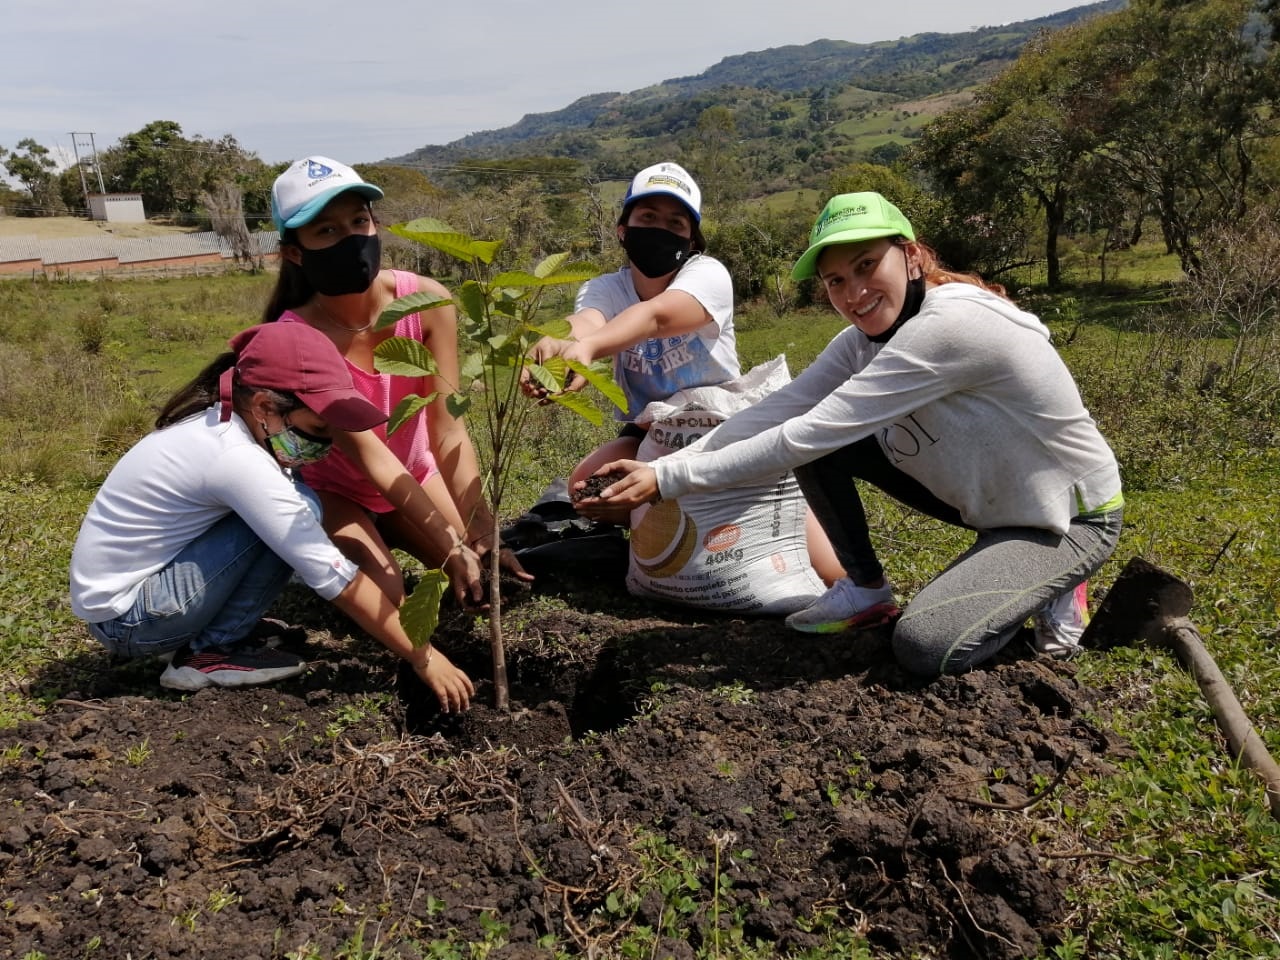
{"x":646,"y":747}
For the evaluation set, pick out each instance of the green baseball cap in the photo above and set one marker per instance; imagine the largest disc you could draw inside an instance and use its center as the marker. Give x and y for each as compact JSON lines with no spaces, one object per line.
{"x":851,"y":218}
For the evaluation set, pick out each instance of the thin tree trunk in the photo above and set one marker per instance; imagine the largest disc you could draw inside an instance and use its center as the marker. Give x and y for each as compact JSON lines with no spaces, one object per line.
{"x":501,"y":693}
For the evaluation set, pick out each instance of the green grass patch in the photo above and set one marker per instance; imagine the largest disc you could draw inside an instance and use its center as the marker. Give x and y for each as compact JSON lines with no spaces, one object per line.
{"x":1180,"y":849}
{"x":806,"y":200}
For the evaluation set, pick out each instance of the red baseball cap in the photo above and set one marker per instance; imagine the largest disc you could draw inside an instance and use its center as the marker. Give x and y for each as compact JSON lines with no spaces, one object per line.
{"x":299,"y":359}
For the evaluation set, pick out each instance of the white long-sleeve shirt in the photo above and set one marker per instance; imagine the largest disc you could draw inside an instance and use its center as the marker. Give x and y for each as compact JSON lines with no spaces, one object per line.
{"x":969,"y":397}
{"x":171,"y":487}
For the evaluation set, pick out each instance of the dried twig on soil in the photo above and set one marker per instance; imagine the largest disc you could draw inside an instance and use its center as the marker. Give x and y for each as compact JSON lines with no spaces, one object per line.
{"x":969,"y":913}
{"x":84,"y":704}
{"x":1094,"y":855}
{"x":1027,"y":804}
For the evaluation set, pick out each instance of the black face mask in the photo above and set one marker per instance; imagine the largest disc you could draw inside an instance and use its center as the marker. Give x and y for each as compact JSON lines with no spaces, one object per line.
{"x":910,"y":307}
{"x":655,"y":252}
{"x":349,"y":266}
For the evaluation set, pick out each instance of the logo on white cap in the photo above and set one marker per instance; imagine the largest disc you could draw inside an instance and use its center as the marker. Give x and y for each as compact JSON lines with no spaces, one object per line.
{"x":299,"y":193}
{"x":668,"y":178}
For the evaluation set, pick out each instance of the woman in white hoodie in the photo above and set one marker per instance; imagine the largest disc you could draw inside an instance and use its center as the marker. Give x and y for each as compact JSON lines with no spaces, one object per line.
{"x":951,"y":399}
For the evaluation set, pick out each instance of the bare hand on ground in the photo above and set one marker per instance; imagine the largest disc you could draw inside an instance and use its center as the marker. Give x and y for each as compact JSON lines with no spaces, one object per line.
{"x":507,"y":559}
{"x":452,"y":687}
{"x":466,"y":577}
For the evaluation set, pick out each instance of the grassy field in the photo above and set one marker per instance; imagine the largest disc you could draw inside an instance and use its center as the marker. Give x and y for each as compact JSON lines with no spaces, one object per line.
{"x":54,"y":228}
{"x":1182,"y":850}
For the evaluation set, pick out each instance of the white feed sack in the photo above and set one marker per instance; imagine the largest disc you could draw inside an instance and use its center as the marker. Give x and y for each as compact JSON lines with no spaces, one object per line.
{"x":740,"y":549}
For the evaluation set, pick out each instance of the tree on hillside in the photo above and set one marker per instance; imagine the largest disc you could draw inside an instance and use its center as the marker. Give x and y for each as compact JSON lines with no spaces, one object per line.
{"x":71,"y":187}
{"x":975,"y":218}
{"x":225,"y":204}
{"x":1104,"y":216}
{"x":714,"y":157}
{"x":34,"y":167}
{"x":173,"y":172}
{"x":860,"y":177}
{"x":758,"y":250}
{"x":11,"y":200}
{"x":1164,"y":101}
{"x":1195,"y":100}
{"x":1028,"y":133}
{"x":151,"y":162}
{"x":598,"y":219}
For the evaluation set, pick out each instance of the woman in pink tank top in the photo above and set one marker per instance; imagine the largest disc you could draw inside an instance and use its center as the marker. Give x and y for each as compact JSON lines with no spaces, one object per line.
{"x":419,"y":490}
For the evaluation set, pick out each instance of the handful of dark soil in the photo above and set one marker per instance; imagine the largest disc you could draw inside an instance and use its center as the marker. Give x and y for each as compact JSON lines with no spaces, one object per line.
{"x":595,"y":485}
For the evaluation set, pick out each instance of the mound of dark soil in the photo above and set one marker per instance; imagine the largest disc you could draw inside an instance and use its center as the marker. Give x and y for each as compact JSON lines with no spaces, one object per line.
{"x":645,"y":747}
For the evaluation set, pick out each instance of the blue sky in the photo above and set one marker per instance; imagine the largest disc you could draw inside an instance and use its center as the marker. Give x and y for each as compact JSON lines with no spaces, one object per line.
{"x":366,"y":81}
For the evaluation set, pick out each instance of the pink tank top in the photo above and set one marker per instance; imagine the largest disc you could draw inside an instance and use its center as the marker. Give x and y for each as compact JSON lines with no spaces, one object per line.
{"x":411,"y":445}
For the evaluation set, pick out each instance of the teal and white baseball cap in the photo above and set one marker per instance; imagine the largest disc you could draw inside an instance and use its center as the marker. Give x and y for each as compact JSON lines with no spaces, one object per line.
{"x":851,"y":218}
{"x":301,"y":192}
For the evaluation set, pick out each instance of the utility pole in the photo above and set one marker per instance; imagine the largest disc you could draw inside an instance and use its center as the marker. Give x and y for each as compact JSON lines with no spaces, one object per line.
{"x":84,"y":141}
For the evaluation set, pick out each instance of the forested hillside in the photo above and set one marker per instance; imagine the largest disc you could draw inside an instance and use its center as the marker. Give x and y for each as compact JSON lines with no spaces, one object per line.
{"x":791,"y":92}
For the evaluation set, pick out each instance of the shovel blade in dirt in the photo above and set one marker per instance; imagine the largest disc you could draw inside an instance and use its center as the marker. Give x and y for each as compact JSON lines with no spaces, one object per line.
{"x":1150,"y":604}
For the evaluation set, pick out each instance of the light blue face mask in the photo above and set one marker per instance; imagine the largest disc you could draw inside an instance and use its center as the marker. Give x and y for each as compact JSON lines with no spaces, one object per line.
{"x":293,"y":447}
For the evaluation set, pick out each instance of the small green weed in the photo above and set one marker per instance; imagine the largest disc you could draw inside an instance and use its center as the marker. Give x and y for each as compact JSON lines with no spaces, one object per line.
{"x":138,"y":754}
{"x":736,"y":692}
{"x":222,"y":898}
{"x":371,"y":707}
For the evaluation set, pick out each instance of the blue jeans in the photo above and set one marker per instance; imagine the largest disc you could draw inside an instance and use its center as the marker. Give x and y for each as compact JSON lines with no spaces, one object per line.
{"x":211,"y":594}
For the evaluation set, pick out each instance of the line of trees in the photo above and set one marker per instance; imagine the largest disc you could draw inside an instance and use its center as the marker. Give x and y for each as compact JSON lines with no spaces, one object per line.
{"x":1164,"y":112}
{"x":1165,"y":108}
{"x":173,"y":172}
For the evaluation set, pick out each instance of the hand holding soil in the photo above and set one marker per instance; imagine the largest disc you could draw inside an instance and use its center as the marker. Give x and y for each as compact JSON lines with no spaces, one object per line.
{"x":629,"y":482}
{"x":586,"y":498}
{"x":592,"y":487}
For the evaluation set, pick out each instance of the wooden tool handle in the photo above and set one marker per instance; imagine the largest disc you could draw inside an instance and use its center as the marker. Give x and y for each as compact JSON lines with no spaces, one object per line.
{"x":1242,"y":738}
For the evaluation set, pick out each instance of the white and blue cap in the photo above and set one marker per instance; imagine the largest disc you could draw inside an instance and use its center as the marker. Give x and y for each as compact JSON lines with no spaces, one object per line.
{"x":301,"y":192}
{"x":666,"y":178}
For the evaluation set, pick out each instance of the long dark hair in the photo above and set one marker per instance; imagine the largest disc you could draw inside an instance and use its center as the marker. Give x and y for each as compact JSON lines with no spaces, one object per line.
{"x":203,"y":392}
{"x":292,"y":288}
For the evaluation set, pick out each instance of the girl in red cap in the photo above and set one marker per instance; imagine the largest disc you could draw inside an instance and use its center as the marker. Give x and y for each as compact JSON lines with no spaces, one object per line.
{"x":198,"y":528}
{"x":379,"y":492}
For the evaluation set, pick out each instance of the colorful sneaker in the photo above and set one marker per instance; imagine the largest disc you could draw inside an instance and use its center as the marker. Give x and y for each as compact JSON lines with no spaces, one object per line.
{"x":243,"y":666}
{"x":846,"y":606}
{"x":267,"y":632}
{"x":1061,"y":622}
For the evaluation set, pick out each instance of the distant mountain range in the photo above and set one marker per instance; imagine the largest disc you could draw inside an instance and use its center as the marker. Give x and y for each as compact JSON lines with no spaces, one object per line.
{"x":909,"y":69}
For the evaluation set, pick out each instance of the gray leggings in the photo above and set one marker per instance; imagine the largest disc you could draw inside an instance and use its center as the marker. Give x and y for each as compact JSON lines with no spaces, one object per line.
{"x":975,"y":606}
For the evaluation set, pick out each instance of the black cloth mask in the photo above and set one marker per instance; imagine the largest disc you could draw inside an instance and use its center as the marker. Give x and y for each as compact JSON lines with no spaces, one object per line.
{"x":349,"y":266}
{"x":655,"y":252}
{"x":910,"y":307}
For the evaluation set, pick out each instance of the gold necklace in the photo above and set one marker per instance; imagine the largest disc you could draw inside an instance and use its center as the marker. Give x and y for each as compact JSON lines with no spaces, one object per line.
{"x":331,"y":319}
